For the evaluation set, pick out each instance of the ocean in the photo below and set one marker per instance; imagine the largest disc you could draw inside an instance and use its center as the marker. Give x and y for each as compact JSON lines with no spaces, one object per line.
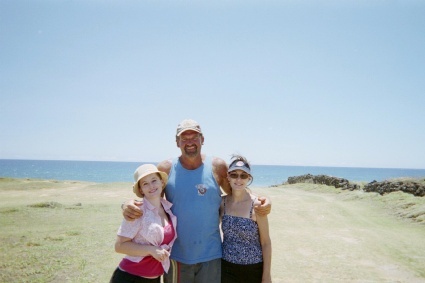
{"x":105,"y":172}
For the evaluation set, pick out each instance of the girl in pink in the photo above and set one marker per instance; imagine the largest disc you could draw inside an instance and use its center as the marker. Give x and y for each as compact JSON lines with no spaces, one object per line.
{"x":146,"y":241}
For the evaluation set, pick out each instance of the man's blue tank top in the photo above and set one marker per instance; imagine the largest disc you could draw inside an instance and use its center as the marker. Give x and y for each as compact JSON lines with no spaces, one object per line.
{"x":196,"y":199}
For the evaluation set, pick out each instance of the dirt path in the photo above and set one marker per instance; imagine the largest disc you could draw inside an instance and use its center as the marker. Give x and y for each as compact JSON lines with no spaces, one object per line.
{"x":327,"y":237}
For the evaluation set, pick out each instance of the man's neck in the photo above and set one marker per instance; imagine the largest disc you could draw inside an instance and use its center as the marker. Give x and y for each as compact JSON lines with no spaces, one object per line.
{"x":191,"y":163}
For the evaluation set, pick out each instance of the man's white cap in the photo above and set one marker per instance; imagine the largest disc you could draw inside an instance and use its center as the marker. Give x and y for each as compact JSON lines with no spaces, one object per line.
{"x":188,"y":125}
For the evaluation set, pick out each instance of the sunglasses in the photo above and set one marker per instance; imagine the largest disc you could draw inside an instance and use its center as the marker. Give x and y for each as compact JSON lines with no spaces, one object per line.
{"x":243,"y":176}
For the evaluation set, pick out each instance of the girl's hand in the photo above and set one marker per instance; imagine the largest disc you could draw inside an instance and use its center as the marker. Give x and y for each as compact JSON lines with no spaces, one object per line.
{"x":160,"y":254}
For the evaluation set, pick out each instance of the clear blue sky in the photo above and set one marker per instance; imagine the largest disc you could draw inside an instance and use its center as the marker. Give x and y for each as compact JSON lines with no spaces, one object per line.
{"x":321,"y":83}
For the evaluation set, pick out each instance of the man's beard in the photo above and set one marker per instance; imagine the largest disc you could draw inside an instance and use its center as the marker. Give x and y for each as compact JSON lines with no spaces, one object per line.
{"x":191,"y":153}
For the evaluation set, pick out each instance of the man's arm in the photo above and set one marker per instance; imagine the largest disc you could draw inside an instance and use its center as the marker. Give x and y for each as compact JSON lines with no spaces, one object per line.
{"x":220,"y":174}
{"x":131,"y":209}
{"x":165,"y":166}
{"x":264,"y":208}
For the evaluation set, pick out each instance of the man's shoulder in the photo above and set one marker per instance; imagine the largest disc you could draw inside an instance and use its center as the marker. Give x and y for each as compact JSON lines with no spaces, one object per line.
{"x":220,"y":173}
{"x":216,"y":161}
{"x":219,"y":166}
{"x":165,"y":166}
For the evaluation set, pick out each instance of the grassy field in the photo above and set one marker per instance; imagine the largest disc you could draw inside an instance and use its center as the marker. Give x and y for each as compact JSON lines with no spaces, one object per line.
{"x":65,"y":231}
{"x":59,"y":231}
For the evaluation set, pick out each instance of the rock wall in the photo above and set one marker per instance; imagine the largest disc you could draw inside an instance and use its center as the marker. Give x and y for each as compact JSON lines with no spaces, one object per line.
{"x":341,"y":183}
{"x":386,"y":187}
{"x":382,"y":188}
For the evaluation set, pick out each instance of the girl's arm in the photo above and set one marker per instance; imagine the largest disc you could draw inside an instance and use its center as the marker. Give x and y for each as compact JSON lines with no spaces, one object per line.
{"x":266,"y":245}
{"x":221,"y":208}
{"x":221,"y":216}
{"x":124,"y":245}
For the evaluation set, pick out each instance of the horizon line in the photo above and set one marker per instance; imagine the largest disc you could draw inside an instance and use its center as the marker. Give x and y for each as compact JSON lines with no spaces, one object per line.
{"x":253,"y":164}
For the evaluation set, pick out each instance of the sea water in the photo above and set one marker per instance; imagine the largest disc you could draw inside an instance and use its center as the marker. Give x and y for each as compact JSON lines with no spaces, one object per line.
{"x":105,"y":172}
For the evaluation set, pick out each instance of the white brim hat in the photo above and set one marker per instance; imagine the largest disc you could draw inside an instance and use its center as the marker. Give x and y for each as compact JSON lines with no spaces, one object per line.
{"x":144,"y":170}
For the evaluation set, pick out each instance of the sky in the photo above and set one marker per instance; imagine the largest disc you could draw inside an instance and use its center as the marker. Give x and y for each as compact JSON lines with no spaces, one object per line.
{"x":308,"y":83}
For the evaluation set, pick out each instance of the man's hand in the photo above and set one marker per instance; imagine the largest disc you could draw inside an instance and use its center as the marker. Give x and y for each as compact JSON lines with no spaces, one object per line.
{"x":131,"y":211}
{"x":264,"y":208}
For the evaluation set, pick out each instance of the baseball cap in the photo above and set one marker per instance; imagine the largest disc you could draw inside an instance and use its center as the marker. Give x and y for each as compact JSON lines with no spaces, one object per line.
{"x":188,"y":125}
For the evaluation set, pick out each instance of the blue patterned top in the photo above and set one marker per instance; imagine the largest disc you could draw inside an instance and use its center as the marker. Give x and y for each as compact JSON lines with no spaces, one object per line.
{"x":241,"y":239}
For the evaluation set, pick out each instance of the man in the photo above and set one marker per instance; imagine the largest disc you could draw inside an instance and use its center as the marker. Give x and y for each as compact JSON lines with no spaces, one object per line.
{"x":194,"y":189}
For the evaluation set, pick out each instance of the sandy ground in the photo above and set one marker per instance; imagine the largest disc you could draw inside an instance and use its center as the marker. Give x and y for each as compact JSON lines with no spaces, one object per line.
{"x":329,"y":237}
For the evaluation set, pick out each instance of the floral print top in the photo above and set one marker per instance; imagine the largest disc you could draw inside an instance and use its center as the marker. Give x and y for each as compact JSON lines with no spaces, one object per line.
{"x":241,"y":239}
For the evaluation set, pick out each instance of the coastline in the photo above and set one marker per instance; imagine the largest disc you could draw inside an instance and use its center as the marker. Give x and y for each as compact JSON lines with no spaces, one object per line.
{"x":51,"y":230}
{"x":264,"y":175}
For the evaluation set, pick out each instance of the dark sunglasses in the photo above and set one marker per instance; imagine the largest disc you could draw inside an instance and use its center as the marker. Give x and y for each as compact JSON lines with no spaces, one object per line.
{"x":243,"y":176}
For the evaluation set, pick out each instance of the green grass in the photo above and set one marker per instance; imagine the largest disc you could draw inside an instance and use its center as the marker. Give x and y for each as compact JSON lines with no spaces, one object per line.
{"x":65,"y":231}
{"x":58,"y":245}
{"x":399,"y":204}
{"x":48,"y":237}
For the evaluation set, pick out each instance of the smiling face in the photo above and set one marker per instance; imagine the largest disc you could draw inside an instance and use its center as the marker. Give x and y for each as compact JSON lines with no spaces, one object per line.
{"x":238,"y":179}
{"x":151,"y":186}
{"x":190,"y":143}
